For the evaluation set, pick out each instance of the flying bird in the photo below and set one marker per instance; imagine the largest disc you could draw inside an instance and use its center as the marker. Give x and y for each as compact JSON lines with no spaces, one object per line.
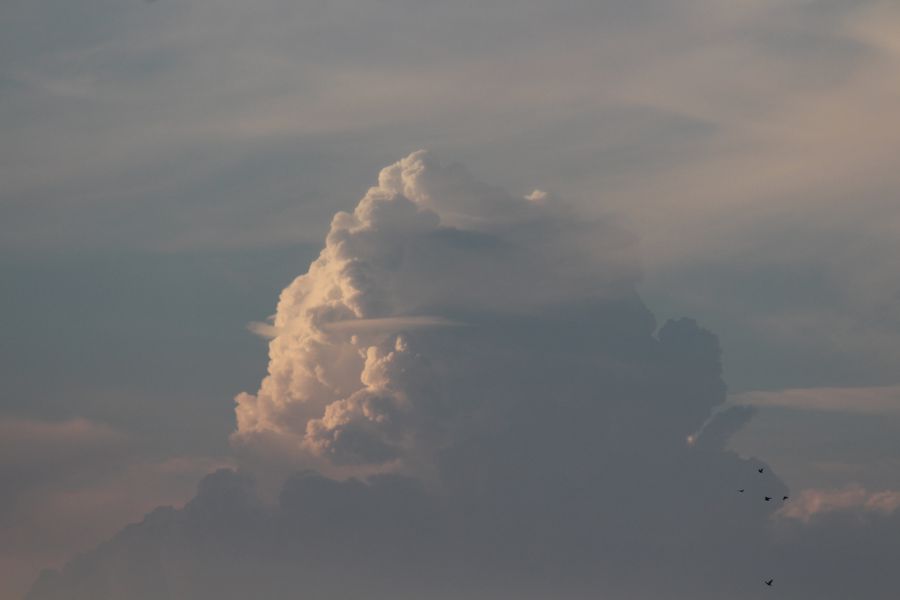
{"x":769,"y":582}
{"x":761,"y":469}
{"x":741,"y":490}
{"x":785,"y":498}
{"x":768,"y":498}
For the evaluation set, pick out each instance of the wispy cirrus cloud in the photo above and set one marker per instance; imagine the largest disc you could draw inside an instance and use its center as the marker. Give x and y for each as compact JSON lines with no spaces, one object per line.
{"x":380,"y":325}
{"x":863,"y":400}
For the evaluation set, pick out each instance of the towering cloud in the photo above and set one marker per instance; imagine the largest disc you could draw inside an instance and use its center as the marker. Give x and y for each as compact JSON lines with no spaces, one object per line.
{"x":475,"y":403}
{"x":354,"y":369}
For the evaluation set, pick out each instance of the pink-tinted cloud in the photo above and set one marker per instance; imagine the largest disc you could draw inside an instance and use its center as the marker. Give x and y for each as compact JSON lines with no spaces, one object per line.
{"x":811,"y":503}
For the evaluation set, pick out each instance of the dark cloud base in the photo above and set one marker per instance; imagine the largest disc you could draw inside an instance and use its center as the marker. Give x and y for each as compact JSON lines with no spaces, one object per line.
{"x":552,"y":490}
{"x":554,"y":494}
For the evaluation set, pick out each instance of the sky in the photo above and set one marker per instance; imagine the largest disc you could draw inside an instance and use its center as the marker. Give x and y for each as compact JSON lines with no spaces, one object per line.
{"x":441,"y":296}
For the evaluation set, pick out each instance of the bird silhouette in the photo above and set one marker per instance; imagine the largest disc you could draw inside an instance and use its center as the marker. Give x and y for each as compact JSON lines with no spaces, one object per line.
{"x":769,"y":582}
{"x":785,"y":498}
{"x":761,"y":469}
{"x":741,"y":490}
{"x":768,"y":498}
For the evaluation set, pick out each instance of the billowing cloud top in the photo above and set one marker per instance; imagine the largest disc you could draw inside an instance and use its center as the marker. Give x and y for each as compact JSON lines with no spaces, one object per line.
{"x":428,"y":247}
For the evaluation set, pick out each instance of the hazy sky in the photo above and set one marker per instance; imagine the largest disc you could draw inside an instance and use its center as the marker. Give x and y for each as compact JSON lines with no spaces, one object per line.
{"x":594,"y":169}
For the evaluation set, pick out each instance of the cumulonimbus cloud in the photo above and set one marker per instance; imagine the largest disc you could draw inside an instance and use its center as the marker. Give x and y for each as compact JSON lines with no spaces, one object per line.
{"x":476,"y":403}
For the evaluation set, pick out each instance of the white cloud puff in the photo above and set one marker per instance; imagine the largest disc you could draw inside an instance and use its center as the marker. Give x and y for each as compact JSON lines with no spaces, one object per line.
{"x":427,"y":247}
